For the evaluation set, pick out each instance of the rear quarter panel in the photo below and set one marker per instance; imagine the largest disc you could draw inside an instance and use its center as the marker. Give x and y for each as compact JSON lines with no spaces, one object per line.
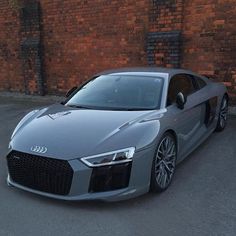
{"x":213,"y":92}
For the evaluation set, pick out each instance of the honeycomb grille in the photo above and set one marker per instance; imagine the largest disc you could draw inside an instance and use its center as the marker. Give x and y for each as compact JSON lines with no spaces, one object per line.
{"x":40,"y":173}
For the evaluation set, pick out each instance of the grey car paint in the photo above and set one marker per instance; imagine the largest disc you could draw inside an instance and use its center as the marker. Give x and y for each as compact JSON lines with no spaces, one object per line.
{"x":70,"y":133}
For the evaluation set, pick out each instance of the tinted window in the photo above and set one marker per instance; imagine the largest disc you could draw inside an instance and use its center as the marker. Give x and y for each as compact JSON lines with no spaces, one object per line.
{"x":200,"y":82}
{"x":179,"y":83}
{"x":120,"y":92}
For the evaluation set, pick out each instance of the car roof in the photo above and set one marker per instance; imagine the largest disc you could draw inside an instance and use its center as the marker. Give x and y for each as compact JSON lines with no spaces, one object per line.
{"x":148,"y":71}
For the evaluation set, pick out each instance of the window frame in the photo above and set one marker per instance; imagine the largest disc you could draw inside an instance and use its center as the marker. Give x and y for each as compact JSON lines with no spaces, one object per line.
{"x":197,"y":78}
{"x":193,"y":81}
{"x":157,"y":107}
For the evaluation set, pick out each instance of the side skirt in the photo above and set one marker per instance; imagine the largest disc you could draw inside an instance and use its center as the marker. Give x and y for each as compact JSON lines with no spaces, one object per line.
{"x":180,"y":159}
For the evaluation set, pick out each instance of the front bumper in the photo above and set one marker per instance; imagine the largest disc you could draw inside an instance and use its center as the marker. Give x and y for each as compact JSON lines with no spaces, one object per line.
{"x":138,"y":183}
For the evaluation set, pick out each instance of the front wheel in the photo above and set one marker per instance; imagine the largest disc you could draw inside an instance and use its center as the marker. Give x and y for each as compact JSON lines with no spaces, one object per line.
{"x":164,"y":162}
{"x":223,"y":115}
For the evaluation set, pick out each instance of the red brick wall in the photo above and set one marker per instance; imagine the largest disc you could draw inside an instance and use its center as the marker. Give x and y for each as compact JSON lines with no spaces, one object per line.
{"x":164,"y":38}
{"x":77,"y":38}
{"x":166,"y":15}
{"x":209,"y":40}
{"x":84,"y":37}
{"x":10,"y":63}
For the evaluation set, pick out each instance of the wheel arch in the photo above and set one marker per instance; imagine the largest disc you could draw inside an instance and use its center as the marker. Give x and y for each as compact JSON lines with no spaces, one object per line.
{"x":171,"y":131}
{"x":227,"y":96}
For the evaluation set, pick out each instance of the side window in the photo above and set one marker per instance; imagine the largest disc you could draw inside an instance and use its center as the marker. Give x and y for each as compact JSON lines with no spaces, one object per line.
{"x":200,"y":82}
{"x":180,"y":83}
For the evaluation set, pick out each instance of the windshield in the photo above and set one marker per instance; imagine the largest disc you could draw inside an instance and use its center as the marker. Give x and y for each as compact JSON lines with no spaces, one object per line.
{"x":119,"y":92}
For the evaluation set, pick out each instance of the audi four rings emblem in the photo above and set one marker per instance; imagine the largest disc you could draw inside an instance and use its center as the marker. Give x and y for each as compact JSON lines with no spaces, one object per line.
{"x":39,"y":149}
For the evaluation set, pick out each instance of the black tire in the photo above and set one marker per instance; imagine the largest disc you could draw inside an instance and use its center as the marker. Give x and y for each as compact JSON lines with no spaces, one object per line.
{"x":160,"y":169}
{"x":223,"y":115}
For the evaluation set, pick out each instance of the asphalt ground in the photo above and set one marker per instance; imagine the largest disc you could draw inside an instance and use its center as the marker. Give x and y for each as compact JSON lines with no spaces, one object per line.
{"x":200,"y":201}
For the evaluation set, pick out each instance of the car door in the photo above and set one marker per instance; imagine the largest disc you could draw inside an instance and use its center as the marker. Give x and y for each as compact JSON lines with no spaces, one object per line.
{"x":189,"y":121}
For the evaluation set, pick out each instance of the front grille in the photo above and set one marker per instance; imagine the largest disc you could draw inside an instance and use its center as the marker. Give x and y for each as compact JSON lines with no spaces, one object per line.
{"x":40,"y":173}
{"x":110,"y":178}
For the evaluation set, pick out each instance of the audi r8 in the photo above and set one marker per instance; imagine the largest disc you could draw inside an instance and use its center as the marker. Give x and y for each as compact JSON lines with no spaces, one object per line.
{"x":118,"y":135}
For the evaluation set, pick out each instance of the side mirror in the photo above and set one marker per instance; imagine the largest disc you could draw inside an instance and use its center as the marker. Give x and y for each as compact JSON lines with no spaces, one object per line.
{"x":180,"y":100}
{"x":72,"y":90}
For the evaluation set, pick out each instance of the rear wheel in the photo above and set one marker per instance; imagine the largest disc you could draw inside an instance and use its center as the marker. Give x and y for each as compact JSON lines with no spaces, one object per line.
{"x":164,"y":162}
{"x":223,"y":115}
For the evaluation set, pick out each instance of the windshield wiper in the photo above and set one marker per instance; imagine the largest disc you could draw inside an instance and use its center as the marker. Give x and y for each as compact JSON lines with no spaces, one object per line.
{"x":79,"y":106}
{"x":110,"y":108}
{"x":132,"y":109}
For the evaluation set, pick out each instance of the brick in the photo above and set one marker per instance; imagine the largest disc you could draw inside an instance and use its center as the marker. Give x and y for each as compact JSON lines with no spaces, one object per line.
{"x":208,"y":33}
{"x":80,"y":38}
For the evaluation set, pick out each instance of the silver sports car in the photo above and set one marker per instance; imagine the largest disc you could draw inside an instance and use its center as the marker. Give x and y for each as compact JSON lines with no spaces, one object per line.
{"x":117,"y":136}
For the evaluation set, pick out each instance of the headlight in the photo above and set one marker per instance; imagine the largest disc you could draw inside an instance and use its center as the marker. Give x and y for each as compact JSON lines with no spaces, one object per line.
{"x":109,"y":158}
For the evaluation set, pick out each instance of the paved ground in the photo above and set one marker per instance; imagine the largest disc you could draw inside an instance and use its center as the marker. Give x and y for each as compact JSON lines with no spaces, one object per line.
{"x":200,"y":201}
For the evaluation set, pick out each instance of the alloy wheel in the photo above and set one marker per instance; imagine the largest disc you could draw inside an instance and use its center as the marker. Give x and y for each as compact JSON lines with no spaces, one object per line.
{"x":165,"y":161}
{"x":223,"y":112}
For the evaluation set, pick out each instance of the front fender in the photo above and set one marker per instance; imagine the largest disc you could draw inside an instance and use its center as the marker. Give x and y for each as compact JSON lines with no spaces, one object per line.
{"x":26,"y":120}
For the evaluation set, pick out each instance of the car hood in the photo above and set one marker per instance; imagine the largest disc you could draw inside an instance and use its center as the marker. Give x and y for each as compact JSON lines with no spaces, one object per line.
{"x":70,"y":133}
